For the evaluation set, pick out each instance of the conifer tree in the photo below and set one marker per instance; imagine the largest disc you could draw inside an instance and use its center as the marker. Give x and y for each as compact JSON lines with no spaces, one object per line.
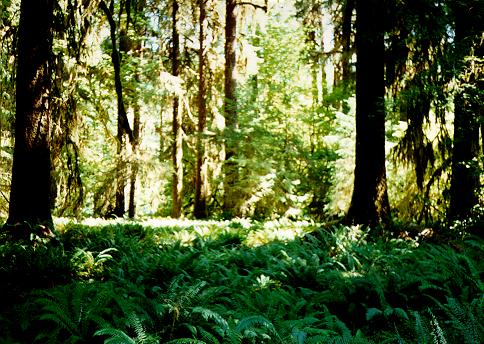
{"x":31,"y":192}
{"x":369,"y":203}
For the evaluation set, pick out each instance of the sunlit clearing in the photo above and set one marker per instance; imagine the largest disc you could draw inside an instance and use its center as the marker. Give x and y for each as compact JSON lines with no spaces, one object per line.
{"x":186,"y":231}
{"x":281,"y":230}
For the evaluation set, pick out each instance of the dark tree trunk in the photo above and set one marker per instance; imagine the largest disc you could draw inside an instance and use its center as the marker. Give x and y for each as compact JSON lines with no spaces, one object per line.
{"x":369,"y":203}
{"x":177,"y":153}
{"x":349,"y":6}
{"x":322,"y":66}
{"x":231,"y":197}
{"x":201,"y":192}
{"x":481,"y":116}
{"x":119,"y":208}
{"x":467,"y":107}
{"x":135,"y":47}
{"x":31,"y":194}
{"x":465,"y":175}
{"x":134,"y":164}
{"x":123,"y":128}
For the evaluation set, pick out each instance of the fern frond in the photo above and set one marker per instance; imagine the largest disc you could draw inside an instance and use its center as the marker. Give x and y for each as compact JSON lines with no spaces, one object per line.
{"x":208,"y":315}
{"x":248,"y":327}
{"x":253,"y":321}
{"x":232,"y":336}
{"x":135,"y":322}
{"x":372,"y":312}
{"x":116,"y":336}
{"x":191,"y":294}
{"x":186,"y":341}
{"x":343,"y":329}
{"x":59,"y":317}
{"x":420,"y":329}
{"x":55,"y":307}
{"x":437,"y":332}
{"x":207,"y":337}
{"x":464,"y":321}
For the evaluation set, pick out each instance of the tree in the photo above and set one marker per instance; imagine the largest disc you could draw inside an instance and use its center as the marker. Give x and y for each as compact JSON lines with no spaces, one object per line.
{"x":346,"y":31}
{"x":467,"y":109}
{"x":230,"y":109}
{"x":177,"y":150}
{"x":31,"y":194}
{"x":200,"y":206}
{"x":123,"y":128}
{"x":134,"y":47}
{"x":232,"y":196}
{"x":369,"y":203}
{"x":444,"y":67}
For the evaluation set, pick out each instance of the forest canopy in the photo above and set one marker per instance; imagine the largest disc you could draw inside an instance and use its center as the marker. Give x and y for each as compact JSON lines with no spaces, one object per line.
{"x":221,"y":109}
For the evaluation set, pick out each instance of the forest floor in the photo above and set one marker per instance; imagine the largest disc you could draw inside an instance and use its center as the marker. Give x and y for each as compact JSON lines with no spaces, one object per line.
{"x":240,"y":281}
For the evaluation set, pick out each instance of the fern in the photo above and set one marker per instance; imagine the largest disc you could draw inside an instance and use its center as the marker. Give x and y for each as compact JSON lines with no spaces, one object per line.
{"x":232,"y":336}
{"x":138,"y":328}
{"x":115,"y":336}
{"x":471,"y":330}
{"x":74,"y":310}
{"x":437,"y":332}
{"x":120,"y":337}
{"x":186,"y":341}
{"x":207,"y":337}
{"x":421,"y":331}
{"x":209,"y":315}
{"x":257,"y":326}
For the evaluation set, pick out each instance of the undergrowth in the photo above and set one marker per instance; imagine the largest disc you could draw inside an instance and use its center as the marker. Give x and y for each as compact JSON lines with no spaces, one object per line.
{"x":239,"y":282}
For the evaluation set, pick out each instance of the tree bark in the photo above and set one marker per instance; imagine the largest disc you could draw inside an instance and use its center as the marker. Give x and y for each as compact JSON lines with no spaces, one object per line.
{"x":134,"y":163}
{"x":30,"y":194}
{"x":123,"y":128}
{"x":467,"y":108}
{"x":349,"y":6}
{"x":201,"y":192}
{"x":230,"y":111}
{"x":177,"y":152}
{"x":369,"y":203}
{"x":136,"y":48}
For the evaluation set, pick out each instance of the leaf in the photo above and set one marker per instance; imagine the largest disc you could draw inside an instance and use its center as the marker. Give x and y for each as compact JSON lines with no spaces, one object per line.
{"x":116,"y":336}
{"x":372,"y":312}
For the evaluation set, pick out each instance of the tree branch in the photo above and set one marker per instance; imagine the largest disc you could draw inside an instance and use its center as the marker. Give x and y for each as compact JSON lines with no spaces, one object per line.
{"x":261,"y":7}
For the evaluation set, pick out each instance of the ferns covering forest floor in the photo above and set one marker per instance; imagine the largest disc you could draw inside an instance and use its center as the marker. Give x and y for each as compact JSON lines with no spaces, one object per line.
{"x":239,"y":282}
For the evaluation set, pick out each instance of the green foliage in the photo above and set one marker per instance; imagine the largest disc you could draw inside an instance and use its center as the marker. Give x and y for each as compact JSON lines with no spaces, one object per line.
{"x":119,"y":337}
{"x":241,"y":282}
{"x":72,"y":312}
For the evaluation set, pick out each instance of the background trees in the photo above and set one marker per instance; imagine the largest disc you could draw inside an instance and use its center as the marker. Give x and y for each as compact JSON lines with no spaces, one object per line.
{"x":280,"y":142}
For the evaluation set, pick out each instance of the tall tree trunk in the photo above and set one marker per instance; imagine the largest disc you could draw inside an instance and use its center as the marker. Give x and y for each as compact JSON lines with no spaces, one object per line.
{"x":201,"y":192}
{"x":467,"y":107}
{"x":123,"y":128}
{"x":119,"y":208}
{"x":369,"y":203}
{"x":315,"y":100}
{"x":30,"y":195}
{"x":322,"y":63}
{"x":349,"y":6}
{"x":136,"y":48}
{"x":231,"y":196}
{"x":134,"y":163}
{"x":177,"y":153}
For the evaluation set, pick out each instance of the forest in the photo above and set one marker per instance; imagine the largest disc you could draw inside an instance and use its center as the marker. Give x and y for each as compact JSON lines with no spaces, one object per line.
{"x":231,"y":171}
